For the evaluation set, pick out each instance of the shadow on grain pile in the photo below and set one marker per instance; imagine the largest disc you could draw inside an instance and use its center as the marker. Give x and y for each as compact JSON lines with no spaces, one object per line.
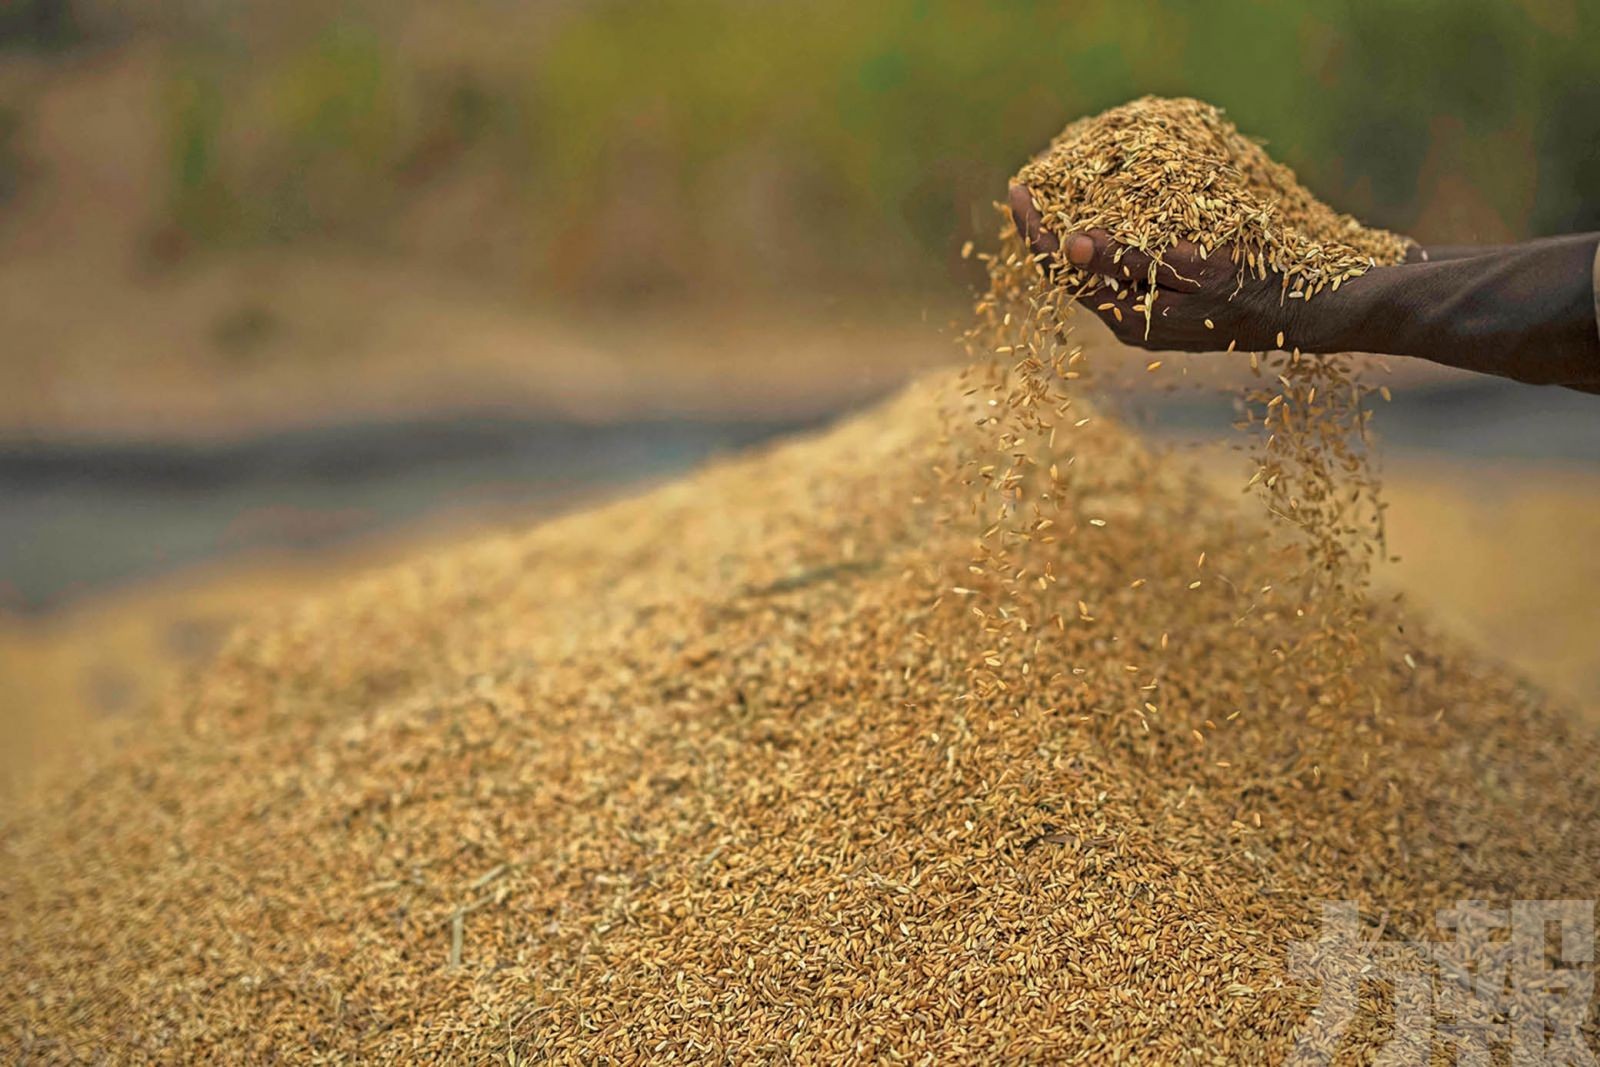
{"x":969,"y":729}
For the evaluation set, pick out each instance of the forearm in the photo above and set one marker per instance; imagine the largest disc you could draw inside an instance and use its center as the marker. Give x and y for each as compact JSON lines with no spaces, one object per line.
{"x":1525,"y":312}
{"x":1441,"y":253}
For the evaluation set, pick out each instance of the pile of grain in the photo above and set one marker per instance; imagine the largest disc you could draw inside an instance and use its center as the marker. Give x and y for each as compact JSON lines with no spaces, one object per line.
{"x":772,"y":764}
{"x":704,"y":773}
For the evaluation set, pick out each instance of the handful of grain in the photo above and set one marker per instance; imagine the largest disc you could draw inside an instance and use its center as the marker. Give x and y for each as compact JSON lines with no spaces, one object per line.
{"x":1156,"y":171}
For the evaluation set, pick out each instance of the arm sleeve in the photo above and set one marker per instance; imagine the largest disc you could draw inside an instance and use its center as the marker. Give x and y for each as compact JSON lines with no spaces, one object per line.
{"x":1597,"y":287}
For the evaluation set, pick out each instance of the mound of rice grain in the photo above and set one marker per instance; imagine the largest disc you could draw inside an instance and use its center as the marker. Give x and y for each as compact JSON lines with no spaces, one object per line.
{"x":937,"y":737}
{"x":703,"y":775}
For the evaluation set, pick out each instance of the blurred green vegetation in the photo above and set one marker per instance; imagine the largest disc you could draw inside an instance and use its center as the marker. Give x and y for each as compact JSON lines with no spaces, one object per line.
{"x":663,"y":147}
{"x":37,"y":24}
{"x":10,"y":158}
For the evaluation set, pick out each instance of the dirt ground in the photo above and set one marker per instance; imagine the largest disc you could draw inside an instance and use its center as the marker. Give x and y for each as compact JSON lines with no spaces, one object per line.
{"x":110,"y":334}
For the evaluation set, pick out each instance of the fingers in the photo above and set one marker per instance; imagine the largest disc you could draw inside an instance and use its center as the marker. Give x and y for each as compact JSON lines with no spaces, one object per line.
{"x":1124,"y":312}
{"x":1177,"y":321}
{"x":1182,"y":268}
{"x":1029,"y":223}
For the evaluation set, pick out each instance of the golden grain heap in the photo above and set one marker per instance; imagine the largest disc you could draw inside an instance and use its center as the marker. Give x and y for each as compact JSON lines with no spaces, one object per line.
{"x":934,"y":737}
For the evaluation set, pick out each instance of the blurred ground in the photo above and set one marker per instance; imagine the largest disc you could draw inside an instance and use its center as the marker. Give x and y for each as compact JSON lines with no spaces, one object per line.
{"x":105,"y":338}
{"x":1503,"y":554}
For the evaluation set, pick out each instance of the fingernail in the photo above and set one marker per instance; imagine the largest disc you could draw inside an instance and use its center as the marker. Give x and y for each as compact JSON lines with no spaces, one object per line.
{"x":1080,"y":249}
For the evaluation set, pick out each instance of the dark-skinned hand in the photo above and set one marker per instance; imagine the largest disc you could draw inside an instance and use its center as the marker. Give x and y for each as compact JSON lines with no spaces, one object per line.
{"x":1202,"y":303}
{"x":1524,"y":311}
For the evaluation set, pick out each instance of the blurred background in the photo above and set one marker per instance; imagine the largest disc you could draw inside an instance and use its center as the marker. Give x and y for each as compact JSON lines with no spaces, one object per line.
{"x":289,"y":288}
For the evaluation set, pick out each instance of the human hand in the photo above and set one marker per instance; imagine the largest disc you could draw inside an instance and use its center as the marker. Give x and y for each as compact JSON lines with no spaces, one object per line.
{"x":1199,"y":303}
{"x":1524,"y":311}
